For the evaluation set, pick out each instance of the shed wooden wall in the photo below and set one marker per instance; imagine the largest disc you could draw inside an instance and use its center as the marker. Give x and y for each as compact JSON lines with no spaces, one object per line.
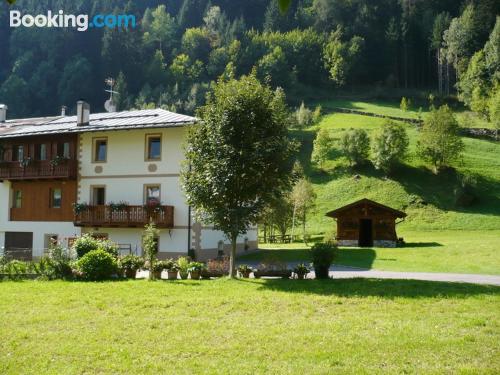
{"x":383,"y":223}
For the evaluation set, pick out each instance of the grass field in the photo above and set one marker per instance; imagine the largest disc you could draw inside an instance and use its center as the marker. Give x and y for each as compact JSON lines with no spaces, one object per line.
{"x":249,"y":327}
{"x":426,"y":197}
{"x":437,"y":251}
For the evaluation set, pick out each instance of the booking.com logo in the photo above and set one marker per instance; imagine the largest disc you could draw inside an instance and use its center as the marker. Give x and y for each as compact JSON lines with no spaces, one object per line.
{"x":80,"y":21}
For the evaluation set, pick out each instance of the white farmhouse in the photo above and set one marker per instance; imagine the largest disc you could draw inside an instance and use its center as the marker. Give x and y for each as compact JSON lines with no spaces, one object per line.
{"x":121,"y":168}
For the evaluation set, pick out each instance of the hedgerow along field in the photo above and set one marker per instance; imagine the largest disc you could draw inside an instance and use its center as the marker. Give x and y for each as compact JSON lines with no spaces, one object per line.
{"x":441,"y":236}
{"x":249,"y":327}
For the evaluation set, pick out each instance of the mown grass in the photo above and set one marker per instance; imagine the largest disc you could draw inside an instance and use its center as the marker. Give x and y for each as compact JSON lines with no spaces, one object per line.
{"x":249,"y":327}
{"x":433,"y":251}
{"x":427,"y":198}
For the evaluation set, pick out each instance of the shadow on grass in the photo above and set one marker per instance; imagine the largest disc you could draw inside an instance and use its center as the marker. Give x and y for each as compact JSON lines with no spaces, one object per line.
{"x":379,"y":288}
{"x":422,"y":244}
{"x":357,"y":257}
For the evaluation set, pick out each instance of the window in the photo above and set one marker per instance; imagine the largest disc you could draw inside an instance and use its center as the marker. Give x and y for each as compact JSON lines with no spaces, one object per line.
{"x":18,"y":199}
{"x":153,"y":147}
{"x":100,"y":152}
{"x":41,"y":152}
{"x":152,"y":193}
{"x":50,"y":240}
{"x":17,"y":153}
{"x":98,"y":195}
{"x":220,"y":248}
{"x":63,"y":150}
{"x":55,"y":198}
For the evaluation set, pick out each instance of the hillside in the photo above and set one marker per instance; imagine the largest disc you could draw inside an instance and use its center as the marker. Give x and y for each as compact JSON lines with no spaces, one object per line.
{"x":427,"y":198}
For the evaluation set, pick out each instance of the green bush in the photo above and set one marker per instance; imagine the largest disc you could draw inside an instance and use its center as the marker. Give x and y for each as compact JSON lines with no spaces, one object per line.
{"x":131,"y":262}
{"x":58,"y":263}
{"x":355,"y":145}
{"x":87,"y":243}
{"x":322,"y":255}
{"x":97,"y":265}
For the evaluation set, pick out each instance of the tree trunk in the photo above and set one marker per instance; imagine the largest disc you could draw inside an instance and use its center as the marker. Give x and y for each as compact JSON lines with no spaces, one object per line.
{"x":304,"y":229}
{"x":293,"y":221}
{"x":232,"y":259}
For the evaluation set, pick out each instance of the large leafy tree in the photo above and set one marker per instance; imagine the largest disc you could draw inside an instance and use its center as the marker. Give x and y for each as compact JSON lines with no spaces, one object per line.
{"x":390,"y":146}
{"x":440,"y":143}
{"x":238,"y":157}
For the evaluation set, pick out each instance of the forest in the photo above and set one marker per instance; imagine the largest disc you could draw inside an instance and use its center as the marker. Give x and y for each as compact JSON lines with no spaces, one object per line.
{"x":179,"y":48}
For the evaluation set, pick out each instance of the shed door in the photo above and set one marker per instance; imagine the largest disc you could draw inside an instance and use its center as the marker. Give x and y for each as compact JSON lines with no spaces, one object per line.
{"x":365,"y":233}
{"x":19,"y":245}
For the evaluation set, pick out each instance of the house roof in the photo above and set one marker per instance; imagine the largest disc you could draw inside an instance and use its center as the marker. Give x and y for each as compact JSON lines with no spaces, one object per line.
{"x":335,"y":213}
{"x":126,"y":120}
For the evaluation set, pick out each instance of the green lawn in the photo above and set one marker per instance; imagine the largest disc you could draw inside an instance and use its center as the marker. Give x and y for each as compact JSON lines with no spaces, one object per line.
{"x":249,"y":327}
{"x":437,"y":251}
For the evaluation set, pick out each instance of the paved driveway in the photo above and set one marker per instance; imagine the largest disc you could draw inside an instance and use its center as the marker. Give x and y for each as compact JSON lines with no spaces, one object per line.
{"x":344,"y":272}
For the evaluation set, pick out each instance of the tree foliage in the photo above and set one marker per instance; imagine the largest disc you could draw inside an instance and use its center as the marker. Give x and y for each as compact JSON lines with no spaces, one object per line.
{"x":355,"y":145}
{"x":440,"y":143}
{"x":321,"y":147}
{"x":389,"y":146}
{"x":238,"y":156}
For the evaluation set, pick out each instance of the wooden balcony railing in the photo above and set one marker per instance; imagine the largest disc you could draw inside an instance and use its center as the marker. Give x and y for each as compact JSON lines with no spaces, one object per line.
{"x":131,"y":216}
{"x":15,"y":170}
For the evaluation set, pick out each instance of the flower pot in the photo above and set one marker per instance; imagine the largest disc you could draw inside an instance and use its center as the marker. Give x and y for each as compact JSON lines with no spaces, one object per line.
{"x":245,"y":274}
{"x":183,"y":275}
{"x":195,"y":275}
{"x":130,"y":273}
{"x":157,"y":274}
{"x":321,"y":272}
{"x":301,"y":276}
{"x":171,"y":275}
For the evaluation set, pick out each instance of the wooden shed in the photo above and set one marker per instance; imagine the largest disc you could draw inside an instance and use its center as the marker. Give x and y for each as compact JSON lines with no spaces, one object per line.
{"x":366,"y":223}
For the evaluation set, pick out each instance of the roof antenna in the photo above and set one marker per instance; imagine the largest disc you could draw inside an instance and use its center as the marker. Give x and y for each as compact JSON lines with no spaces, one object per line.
{"x":109,"y":105}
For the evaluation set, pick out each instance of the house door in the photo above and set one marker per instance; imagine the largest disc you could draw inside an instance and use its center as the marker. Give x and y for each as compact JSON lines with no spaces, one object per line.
{"x":365,"y":233}
{"x":19,"y":245}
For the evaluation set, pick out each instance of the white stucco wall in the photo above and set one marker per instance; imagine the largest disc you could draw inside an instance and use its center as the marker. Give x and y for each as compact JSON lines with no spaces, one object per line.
{"x":124,"y":175}
{"x":64,"y":230}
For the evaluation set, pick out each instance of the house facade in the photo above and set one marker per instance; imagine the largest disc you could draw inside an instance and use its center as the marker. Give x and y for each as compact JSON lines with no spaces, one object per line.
{"x":122,"y":169}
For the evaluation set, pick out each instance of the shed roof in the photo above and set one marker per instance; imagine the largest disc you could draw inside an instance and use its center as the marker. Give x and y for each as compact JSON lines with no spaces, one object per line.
{"x":126,"y":120}
{"x":335,"y":213}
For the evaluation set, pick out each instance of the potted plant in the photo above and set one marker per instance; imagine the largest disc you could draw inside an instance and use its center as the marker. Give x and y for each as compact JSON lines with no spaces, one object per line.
{"x":78,"y":208}
{"x":301,"y":271}
{"x":171,"y":268}
{"x":216,"y":268}
{"x":153,"y":205}
{"x":157,"y":268}
{"x":195,"y":269}
{"x":183,"y":267}
{"x":129,"y":264}
{"x":244,"y":271}
{"x":58,"y":160}
{"x":322,"y":256}
{"x":120,"y":206}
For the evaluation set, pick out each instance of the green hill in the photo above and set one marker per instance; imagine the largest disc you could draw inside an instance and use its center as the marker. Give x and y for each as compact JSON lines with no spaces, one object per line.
{"x":427,"y":198}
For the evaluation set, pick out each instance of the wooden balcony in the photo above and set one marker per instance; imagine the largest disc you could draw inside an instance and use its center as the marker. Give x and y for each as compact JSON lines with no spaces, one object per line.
{"x":130,"y":217}
{"x":37,"y":170}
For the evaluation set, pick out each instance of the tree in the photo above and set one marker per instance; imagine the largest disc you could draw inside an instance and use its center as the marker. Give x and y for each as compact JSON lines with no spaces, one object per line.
{"x":238,"y":157}
{"x":159,"y":27}
{"x":475,"y":84}
{"x":150,"y":246}
{"x":75,"y":83}
{"x":121,"y":97}
{"x":494,"y":109}
{"x":303,"y":198}
{"x":304,"y":116}
{"x":15,"y":93}
{"x":405,"y":104}
{"x":441,"y":23}
{"x":271,"y":65}
{"x":440,"y":143}
{"x":321,"y":147}
{"x":196,"y":44}
{"x":390,"y":146}
{"x":355,"y":145}
{"x":339,"y":57}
